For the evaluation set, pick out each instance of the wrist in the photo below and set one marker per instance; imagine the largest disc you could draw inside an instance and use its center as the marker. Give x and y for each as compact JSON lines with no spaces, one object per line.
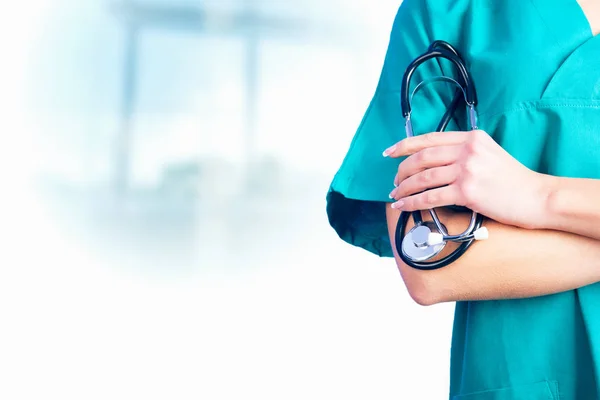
{"x":551,"y":202}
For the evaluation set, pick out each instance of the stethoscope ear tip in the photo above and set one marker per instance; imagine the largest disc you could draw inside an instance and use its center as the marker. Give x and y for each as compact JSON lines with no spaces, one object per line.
{"x":435,"y":239}
{"x":481,"y":233}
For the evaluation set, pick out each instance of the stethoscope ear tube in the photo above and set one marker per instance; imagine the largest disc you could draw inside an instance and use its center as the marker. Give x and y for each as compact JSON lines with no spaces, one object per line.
{"x":464,"y":74}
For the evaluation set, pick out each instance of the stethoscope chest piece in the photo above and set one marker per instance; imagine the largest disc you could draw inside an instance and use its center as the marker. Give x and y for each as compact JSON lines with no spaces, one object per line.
{"x":415,"y":244}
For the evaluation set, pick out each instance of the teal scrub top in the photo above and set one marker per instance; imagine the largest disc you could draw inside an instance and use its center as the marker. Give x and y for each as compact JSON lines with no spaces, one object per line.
{"x":536,"y":67}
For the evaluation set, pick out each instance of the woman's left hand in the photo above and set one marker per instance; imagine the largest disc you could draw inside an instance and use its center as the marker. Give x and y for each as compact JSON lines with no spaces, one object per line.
{"x":467,"y":169}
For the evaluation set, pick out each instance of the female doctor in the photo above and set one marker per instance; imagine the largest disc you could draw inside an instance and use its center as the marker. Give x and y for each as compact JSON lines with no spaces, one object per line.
{"x":527,"y":319}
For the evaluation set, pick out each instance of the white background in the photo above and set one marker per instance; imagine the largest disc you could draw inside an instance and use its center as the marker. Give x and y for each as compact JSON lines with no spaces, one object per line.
{"x":258,"y":298}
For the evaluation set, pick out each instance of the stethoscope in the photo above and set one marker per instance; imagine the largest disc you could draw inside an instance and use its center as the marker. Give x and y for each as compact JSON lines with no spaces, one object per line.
{"x":427,"y":239}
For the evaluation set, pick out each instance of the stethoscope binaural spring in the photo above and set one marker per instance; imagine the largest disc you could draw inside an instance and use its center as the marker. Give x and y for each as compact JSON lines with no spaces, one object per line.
{"x":427,"y":239}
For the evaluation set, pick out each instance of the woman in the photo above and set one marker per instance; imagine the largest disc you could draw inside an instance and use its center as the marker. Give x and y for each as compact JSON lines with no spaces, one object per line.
{"x":527,"y":324}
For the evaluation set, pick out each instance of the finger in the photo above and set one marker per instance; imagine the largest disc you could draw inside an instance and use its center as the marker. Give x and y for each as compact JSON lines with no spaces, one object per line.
{"x":425,"y":159}
{"x":444,"y":196}
{"x":414,"y":144}
{"x":427,"y":179}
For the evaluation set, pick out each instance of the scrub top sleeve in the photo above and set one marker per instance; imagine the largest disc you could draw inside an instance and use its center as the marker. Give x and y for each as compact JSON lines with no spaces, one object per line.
{"x":358,"y":193}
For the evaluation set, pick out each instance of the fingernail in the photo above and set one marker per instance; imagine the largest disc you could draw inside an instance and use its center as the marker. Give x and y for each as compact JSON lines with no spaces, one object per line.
{"x":389,"y":151}
{"x":397,"y":205}
{"x":393,"y":193}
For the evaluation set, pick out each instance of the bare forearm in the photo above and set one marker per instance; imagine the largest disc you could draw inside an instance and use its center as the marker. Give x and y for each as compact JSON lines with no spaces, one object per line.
{"x":513,"y":263}
{"x":573,"y":205}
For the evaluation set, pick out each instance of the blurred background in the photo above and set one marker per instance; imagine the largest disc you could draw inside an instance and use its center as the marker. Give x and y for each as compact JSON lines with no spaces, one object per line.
{"x":164,"y":169}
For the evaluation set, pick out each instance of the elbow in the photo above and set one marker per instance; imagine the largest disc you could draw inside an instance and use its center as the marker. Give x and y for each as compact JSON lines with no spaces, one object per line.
{"x":423,"y":299}
{"x":423,"y":291}
{"x":428,"y":288}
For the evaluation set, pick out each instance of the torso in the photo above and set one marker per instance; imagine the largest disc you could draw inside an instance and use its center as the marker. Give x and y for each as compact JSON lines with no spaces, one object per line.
{"x":538,"y":79}
{"x":536,"y":68}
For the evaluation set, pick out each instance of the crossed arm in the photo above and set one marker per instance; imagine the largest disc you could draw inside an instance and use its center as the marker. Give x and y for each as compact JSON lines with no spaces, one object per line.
{"x":556,"y":247}
{"x":513,"y":263}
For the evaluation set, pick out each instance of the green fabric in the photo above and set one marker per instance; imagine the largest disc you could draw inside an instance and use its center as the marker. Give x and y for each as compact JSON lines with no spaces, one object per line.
{"x":536,"y":66}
